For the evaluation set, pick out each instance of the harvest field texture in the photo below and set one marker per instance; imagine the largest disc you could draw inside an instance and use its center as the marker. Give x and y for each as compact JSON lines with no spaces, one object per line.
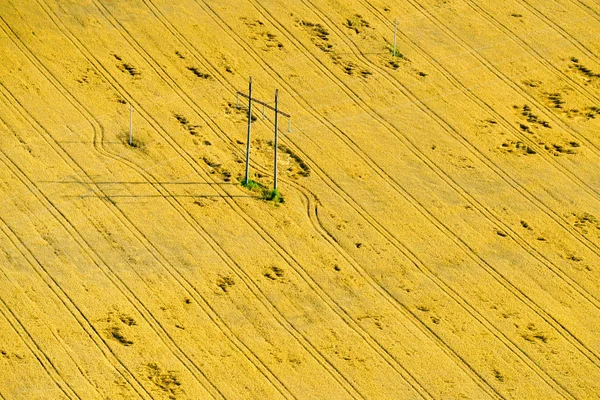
{"x":435,"y":233}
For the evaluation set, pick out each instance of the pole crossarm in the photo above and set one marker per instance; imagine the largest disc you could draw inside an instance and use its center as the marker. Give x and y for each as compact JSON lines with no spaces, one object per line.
{"x":264,"y":104}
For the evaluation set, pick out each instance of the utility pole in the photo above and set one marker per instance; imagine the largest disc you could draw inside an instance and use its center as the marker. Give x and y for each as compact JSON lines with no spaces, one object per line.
{"x":277,"y":113}
{"x":395,"y":28}
{"x":249,"y":128}
{"x":130,"y":125}
{"x":275,"y":141}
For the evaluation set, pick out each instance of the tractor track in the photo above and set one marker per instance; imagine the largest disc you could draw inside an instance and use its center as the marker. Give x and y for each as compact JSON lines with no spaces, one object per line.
{"x":33,"y":347}
{"x":507,"y":125}
{"x":490,"y":216}
{"x":557,"y":28}
{"x":21,"y":247}
{"x":548,"y":66}
{"x":497,"y":221}
{"x":518,"y":89}
{"x":65,"y":299}
{"x":181,"y":280}
{"x":312,"y":210}
{"x":272,"y":242}
{"x":590,"y":9}
{"x":97,"y":259}
{"x":248,"y":281}
{"x":309,"y":52}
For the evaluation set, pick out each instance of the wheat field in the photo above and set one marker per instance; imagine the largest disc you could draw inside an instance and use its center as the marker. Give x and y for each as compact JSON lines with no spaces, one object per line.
{"x":435,"y":233}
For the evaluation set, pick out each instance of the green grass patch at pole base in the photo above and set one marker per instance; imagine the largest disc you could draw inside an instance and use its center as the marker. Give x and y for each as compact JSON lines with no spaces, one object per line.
{"x":266,"y":194}
{"x":252,"y":185}
{"x":272,"y":195}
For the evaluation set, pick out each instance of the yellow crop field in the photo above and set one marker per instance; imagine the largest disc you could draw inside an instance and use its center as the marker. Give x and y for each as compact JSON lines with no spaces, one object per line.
{"x":435,"y":232}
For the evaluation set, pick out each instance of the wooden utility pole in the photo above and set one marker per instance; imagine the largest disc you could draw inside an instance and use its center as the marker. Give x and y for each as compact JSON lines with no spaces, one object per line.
{"x":130,"y":125}
{"x":395,"y":28}
{"x":275,"y":141}
{"x":249,"y":128}
{"x":277,"y":113}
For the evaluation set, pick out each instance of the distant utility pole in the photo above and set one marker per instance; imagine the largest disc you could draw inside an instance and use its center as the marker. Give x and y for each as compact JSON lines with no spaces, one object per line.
{"x":130,"y":125}
{"x":395,"y":28}
{"x":275,"y":143}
